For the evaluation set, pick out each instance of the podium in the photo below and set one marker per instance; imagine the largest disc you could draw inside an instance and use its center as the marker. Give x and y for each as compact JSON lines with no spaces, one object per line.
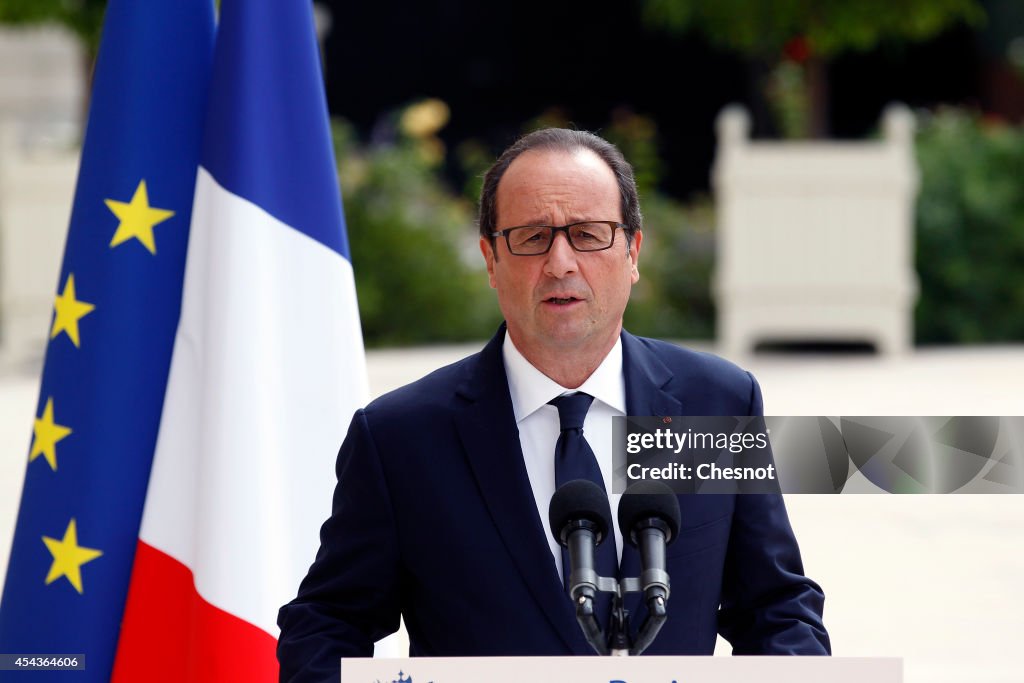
{"x":623,"y":670}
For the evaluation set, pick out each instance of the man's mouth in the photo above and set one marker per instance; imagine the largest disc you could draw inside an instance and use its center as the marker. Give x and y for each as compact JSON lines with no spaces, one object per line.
{"x":561,"y":300}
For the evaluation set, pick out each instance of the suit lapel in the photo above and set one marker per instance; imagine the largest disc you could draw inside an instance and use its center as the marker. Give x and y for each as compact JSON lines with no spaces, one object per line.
{"x":486,"y":425}
{"x":646,"y":376}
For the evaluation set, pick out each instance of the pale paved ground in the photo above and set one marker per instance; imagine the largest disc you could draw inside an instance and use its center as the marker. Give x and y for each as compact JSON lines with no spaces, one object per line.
{"x":938,"y":580}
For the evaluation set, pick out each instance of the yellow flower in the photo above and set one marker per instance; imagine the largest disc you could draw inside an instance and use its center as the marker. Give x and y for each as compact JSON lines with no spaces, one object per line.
{"x":425,"y":118}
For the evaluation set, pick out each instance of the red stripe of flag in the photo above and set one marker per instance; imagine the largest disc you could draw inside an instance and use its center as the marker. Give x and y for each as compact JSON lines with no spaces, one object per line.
{"x":170,"y":633}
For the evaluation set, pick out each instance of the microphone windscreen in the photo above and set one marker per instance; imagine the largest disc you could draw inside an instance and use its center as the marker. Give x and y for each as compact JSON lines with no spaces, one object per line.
{"x":576,"y":500}
{"x":645,"y":500}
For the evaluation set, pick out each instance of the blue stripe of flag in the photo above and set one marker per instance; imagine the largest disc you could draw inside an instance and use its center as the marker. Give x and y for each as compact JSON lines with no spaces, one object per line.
{"x":268,"y":138}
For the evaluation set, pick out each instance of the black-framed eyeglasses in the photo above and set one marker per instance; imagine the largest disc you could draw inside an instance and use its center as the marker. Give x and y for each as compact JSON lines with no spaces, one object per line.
{"x":534,"y":240}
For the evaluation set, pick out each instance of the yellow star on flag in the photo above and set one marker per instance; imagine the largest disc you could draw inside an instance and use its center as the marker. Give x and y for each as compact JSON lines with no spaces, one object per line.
{"x":68,"y":557}
{"x":68,"y":311}
{"x":46,"y":436}
{"x":137,"y":218}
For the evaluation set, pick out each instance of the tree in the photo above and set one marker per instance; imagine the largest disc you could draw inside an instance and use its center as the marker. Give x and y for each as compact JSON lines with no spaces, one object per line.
{"x":793,"y":40}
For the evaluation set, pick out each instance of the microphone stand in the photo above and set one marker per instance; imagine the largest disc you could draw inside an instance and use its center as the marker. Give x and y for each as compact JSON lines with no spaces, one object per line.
{"x":618,"y":636}
{"x":619,"y":643}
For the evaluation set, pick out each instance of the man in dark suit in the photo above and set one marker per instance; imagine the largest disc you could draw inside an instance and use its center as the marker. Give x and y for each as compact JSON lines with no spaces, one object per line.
{"x":442,"y":484}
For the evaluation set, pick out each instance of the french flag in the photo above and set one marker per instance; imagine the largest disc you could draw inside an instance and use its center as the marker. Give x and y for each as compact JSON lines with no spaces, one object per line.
{"x":266,"y":371}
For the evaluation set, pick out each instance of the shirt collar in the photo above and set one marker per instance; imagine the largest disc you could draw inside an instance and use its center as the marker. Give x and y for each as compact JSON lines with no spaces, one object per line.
{"x":531,"y":389}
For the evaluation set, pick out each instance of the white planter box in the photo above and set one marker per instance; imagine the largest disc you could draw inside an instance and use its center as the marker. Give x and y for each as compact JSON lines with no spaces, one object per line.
{"x":815,"y":239}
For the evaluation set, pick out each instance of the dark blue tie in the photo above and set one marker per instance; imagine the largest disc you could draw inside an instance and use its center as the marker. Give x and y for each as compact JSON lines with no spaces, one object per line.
{"x":574,"y":459}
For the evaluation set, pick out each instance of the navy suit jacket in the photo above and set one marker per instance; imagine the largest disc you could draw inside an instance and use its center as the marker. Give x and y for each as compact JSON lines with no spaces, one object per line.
{"x":434,"y":519}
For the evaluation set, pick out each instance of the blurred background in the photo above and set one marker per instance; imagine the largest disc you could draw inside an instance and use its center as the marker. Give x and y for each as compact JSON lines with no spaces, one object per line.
{"x":425,"y":95}
{"x":859,"y":258}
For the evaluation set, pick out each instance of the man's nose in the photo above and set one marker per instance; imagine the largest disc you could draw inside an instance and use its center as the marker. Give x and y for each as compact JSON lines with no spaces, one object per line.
{"x":561,"y":258}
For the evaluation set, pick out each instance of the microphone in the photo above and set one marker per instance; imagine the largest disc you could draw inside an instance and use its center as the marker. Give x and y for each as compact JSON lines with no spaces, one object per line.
{"x":580,"y":519}
{"x":649,"y":519}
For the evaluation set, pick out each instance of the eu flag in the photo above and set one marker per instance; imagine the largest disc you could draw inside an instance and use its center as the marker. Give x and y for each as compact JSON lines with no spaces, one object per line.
{"x":116,"y":307}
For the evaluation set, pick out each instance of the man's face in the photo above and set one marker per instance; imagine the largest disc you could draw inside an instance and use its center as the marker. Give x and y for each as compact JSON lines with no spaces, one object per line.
{"x":563,"y":300}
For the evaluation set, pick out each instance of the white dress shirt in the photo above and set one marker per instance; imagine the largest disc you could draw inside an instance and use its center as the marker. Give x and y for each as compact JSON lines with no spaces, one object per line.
{"x":539,"y":427}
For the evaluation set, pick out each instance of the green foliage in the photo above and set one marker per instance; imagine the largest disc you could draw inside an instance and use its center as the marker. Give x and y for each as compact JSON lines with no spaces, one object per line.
{"x":83,"y":17}
{"x":673,"y":298}
{"x":419,"y":274}
{"x":762,"y":29}
{"x":970,"y":230}
{"x":788,"y":96}
{"x":637,"y":137}
{"x":474,"y":158}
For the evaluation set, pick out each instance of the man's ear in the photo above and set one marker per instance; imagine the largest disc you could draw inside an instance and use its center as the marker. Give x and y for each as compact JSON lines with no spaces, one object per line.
{"x":634,"y":254}
{"x":488,"y":251}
